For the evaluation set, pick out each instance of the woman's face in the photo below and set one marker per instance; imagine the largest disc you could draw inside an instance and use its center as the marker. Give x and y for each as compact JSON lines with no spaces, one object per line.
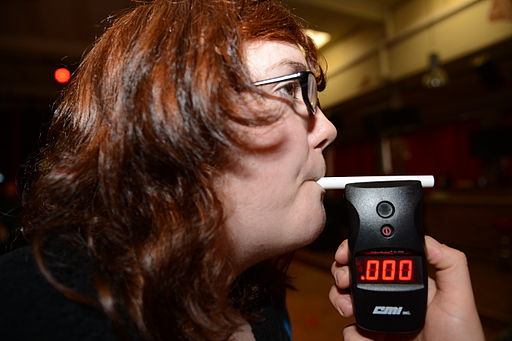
{"x":272,"y":202}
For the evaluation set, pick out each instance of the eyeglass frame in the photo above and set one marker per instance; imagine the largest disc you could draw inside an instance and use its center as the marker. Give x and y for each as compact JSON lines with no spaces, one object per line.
{"x":304,"y":78}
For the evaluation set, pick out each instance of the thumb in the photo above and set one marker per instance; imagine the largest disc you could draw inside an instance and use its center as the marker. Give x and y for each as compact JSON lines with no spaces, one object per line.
{"x":452,"y":274}
{"x":454,"y":294}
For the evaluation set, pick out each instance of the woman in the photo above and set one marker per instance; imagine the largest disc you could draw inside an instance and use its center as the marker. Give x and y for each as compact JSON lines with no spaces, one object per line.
{"x":180,"y":168}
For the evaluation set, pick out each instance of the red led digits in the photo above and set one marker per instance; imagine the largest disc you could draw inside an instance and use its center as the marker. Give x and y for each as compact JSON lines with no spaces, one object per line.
{"x":387,"y":270}
{"x":405,"y":270}
{"x":372,"y":270}
{"x":388,"y":274}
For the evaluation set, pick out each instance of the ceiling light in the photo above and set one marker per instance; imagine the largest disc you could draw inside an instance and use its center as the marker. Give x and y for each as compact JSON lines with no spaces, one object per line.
{"x":435,"y":77}
{"x":319,"y":38}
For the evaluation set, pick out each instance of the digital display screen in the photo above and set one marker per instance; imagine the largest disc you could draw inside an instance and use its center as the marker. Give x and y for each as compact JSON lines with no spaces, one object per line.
{"x":387,"y":267}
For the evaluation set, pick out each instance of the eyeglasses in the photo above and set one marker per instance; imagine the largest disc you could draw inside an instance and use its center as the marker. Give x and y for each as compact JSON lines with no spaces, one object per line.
{"x":308,"y":87}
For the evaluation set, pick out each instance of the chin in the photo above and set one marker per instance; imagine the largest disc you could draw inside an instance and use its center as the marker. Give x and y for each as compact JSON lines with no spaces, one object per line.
{"x":314,"y":230}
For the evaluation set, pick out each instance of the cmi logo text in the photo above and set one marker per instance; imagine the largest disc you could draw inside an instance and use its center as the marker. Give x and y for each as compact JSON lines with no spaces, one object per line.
{"x":386,"y":310}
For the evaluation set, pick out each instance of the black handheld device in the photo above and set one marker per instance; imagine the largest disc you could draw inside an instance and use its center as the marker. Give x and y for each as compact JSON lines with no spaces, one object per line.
{"x":387,"y":255}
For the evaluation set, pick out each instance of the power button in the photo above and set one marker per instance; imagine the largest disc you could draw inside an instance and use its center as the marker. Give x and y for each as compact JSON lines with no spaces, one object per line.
{"x":387,"y":230}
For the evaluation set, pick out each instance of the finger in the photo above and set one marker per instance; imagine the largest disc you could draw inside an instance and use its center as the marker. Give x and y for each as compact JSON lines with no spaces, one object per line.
{"x":443,"y":257}
{"x":432,"y":289}
{"x":341,"y":276}
{"x":453,"y":286}
{"x":452,"y":273}
{"x":351,"y":333}
{"x":342,"y":301}
{"x":341,"y":255}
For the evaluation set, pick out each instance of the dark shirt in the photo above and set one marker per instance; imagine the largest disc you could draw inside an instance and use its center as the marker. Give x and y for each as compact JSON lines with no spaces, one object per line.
{"x":33,"y":309}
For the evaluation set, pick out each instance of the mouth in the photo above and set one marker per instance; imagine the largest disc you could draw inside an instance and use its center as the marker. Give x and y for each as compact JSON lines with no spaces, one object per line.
{"x":315,"y":180}
{"x":318,"y":177}
{"x":316,"y":173}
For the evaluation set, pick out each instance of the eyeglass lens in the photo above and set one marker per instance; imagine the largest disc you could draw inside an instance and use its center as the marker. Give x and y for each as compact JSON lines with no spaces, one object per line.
{"x":312,"y":92}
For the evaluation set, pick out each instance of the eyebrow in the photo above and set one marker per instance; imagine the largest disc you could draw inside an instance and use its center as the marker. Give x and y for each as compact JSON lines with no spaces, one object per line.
{"x":293,"y":65}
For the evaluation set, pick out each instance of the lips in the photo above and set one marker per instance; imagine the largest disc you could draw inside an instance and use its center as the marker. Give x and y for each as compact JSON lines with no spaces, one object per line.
{"x":313,"y":178}
{"x":318,"y":176}
{"x":316,"y":173}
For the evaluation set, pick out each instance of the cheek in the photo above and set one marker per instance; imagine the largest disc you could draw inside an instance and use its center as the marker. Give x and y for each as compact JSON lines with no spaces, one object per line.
{"x":262,"y":185}
{"x":272,"y":210}
{"x":269,"y":207}
{"x":268,"y":177}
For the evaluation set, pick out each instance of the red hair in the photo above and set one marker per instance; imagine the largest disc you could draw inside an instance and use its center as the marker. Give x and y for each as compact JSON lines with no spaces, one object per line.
{"x":133,"y":150}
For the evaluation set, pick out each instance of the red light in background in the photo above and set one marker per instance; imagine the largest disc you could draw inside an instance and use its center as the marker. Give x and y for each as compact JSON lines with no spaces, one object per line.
{"x":62,"y":75}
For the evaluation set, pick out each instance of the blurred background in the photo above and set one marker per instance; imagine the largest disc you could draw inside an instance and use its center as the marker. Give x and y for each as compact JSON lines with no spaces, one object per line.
{"x":414,"y":87}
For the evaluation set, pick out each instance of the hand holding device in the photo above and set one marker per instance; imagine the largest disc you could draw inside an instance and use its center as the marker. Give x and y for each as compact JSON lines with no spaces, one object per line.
{"x":451,"y":310}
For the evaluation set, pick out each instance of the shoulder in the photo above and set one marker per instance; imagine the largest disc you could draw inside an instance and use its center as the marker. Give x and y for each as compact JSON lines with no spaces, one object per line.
{"x":18,"y":275}
{"x":31,"y":308}
{"x":274,"y":322}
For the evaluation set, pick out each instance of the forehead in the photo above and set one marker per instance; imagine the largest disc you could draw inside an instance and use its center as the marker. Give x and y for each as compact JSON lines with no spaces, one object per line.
{"x":266,"y":59}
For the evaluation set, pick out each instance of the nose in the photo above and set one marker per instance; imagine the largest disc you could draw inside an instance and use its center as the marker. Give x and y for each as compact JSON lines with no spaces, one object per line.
{"x":322,"y":132}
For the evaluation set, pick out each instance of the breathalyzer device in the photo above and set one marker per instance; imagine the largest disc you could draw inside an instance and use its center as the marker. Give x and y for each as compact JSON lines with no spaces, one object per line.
{"x":387,"y":254}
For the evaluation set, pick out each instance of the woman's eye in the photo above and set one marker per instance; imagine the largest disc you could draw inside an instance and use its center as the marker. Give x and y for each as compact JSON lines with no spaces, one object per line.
{"x":290,"y":89}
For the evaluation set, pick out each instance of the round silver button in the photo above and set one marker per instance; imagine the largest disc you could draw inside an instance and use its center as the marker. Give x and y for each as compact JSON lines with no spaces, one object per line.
{"x":385,"y":209}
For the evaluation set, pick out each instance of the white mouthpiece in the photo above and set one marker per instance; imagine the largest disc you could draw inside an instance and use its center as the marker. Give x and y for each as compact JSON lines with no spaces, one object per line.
{"x":339,"y":182}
